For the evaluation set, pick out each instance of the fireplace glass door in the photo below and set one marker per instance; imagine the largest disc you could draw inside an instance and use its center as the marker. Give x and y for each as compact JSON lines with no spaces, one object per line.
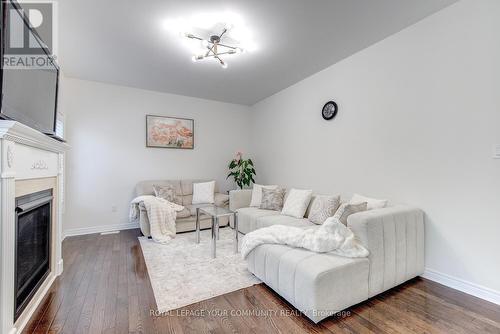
{"x":32,"y":261}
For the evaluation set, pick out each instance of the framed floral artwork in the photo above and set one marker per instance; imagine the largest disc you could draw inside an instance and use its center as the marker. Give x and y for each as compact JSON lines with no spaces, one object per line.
{"x":169,"y":132}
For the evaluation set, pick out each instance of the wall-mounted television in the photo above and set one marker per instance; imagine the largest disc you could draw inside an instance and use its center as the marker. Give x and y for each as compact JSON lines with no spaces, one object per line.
{"x":29,"y":95}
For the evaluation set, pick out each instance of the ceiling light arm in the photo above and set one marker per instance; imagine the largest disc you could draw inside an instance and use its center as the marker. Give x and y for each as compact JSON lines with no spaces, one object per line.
{"x":210,"y":49}
{"x":227,"y":46}
{"x":222,"y":33}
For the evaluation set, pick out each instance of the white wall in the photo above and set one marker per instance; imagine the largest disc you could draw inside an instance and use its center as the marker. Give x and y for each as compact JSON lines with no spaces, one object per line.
{"x":419,"y":115}
{"x":106,"y":130}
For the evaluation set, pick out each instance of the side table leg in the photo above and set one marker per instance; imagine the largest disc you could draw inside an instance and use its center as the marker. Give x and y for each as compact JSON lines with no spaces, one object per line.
{"x":236,"y":232}
{"x":213,"y":237}
{"x":197,"y":225}
{"x":217,"y":224}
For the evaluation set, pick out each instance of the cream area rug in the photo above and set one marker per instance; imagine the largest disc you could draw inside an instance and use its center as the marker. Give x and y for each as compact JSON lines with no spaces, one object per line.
{"x":183,"y":272}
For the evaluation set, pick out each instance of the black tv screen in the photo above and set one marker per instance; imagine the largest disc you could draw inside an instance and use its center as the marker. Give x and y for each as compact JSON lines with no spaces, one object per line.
{"x":29,"y":95}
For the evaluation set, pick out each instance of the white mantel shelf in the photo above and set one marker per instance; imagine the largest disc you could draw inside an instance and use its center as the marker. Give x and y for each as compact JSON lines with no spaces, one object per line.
{"x":26,"y":154}
{"x":22,"y":134}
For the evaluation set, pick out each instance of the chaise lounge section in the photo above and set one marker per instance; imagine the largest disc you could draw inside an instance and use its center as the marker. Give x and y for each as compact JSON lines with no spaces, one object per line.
{"x":320,"y":285}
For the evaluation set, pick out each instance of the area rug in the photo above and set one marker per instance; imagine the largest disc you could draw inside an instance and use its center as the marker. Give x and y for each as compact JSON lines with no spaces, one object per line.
{"x":183,"y":272}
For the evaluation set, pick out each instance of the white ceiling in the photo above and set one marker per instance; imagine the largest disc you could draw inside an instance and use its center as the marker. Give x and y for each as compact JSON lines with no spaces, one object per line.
{"x":123,"y":42}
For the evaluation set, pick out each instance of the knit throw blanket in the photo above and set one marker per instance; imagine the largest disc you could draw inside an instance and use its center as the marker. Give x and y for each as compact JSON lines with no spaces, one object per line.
{"x":161,"y":216}
{"x":332,"y":236}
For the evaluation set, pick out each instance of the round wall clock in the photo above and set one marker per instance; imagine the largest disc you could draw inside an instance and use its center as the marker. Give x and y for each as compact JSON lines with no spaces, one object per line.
{"x":329,"y":110}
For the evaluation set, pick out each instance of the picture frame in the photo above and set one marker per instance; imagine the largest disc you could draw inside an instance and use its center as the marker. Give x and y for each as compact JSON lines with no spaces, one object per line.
{"x":169,"y":132}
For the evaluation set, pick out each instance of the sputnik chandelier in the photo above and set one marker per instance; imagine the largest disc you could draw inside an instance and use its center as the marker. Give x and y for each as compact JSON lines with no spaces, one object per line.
{"x":214,"y":48}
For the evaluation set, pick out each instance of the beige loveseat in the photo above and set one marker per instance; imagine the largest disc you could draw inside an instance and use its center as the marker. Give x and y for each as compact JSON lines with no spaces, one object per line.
{"x":186,"y":219}
{"x":322,"y":284}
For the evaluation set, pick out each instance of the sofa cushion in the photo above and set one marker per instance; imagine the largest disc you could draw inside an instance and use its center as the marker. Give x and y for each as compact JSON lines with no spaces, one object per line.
{"x":284,"y":220}
{"x":346,"y":209}
{"x":318,"y":284}
{"x":146,"y":187}
{"x":184,"y":213}
{"x":187,"y":200}
{"x":166,"y":191}
{"x":272,"y":199}
{"x":257,"y":194}
{"x":297,"y":202}
{"x":323,"y":207}
{"x":247,"y":218}
{"x":203,"y":192}
{"x":187,"y":186}
{"x":371,"y":203}
{"x":192,"y":208}
{"x":221,"y":199}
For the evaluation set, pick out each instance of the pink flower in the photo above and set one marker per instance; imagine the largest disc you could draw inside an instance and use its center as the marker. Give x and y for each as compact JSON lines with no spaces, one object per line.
{"x":239,"y":155}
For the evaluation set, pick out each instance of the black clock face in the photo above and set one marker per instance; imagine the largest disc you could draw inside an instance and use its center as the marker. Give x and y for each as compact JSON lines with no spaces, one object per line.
{"x":329,"y":110}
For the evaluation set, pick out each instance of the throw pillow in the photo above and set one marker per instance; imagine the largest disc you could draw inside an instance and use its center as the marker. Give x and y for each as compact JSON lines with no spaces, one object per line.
{"x":257,"y":194}
{"x":323,"y":207}
{"x":372,"y":203}
{"x":296,"y":203}
{"x":272,"y":199}
{"x":166,"y":192}
{"x":203,"y":192}
{"x":347,"y":209}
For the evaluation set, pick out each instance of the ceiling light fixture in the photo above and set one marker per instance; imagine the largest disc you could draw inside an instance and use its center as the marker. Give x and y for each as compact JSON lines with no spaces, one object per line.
{"x":214,"y":48}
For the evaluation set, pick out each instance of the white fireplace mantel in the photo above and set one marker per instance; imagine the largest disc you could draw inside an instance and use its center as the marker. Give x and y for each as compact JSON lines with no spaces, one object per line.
{"x":25,"y":154}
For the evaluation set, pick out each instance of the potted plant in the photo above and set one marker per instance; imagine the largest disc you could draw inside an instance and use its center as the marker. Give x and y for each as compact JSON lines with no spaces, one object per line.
{"x":241,"y":170}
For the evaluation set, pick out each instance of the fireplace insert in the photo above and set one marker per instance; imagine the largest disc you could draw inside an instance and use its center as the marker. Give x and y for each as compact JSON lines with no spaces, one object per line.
{"x":32,"y":246}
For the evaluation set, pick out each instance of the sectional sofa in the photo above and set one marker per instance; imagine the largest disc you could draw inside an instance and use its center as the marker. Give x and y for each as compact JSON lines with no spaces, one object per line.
{"x":320,"y":285}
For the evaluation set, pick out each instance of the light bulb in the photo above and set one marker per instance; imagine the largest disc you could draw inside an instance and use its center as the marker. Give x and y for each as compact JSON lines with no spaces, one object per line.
{"x":223,"y":64}
{"x":240,"y":50}
{"x":196,"y":58}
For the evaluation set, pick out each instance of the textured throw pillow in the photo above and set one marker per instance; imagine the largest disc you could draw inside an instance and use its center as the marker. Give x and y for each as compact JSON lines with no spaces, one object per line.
{"x":272,"y":199}
{"x":347,"y":209}
{"x":203,"y":192}
{"x":296,"y":203}
{"x":257,"y":194}
{"x":372,"y":203}
{"x":323,"y":207}
{"x":166,"y":192}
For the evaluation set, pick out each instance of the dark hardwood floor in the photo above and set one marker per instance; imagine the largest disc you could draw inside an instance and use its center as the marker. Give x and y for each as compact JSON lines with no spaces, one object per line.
{"x":105,"y":288}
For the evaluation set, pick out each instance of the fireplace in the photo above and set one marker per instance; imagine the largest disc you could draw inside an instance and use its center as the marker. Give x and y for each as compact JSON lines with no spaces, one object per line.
{"x":32,"y":246}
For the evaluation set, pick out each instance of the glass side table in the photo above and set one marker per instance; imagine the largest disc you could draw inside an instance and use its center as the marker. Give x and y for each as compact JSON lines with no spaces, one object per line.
{"x":215,"y":212}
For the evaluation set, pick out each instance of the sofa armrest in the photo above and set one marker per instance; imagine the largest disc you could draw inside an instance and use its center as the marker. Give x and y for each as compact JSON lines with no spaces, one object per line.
{"x":395,"y":238}
{"x":239,"y":199}
{"x":221,"y":199}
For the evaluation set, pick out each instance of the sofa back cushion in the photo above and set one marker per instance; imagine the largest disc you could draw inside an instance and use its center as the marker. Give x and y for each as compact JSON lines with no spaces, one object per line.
{"x":203,"y":192}
{"x":146,"y":187}
{"x":322,"y":207}
{"x":183,"y":188}
{"x":296,"y":203}
{"x":272,"y":199}
{"x":187,"y":186}
{"x":347,"y":209}
{"x":166,"y":192}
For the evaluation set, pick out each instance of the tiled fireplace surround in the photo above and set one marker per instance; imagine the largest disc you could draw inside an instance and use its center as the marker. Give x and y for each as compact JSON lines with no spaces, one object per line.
{"x":29,"y":162}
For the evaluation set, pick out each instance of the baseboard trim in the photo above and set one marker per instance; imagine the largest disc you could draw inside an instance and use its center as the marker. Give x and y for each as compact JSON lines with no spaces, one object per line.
{"x":462,"y":285}
{"x":98,"y":229}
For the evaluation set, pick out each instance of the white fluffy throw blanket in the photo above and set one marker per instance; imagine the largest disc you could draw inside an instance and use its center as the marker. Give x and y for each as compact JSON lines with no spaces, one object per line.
{"x":332,"y":236}
{"x":161,"y":216}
